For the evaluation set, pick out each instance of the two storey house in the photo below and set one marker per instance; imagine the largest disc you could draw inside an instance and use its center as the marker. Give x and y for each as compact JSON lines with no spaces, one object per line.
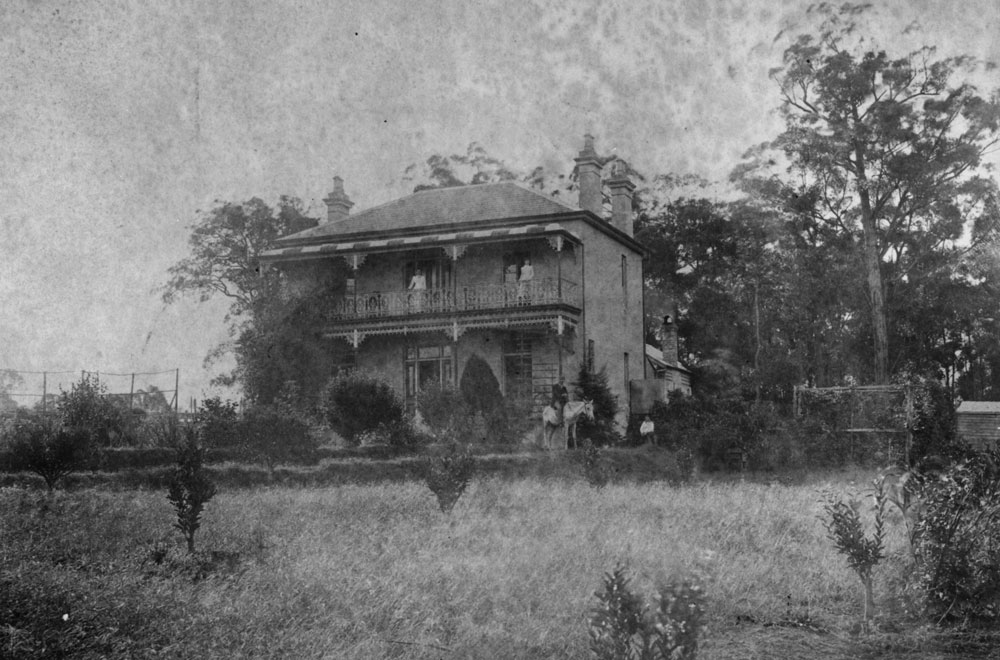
{"x":533,"y":285}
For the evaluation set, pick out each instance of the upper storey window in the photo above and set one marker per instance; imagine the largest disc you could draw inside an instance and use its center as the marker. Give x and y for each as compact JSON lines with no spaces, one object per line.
{"x":428,"y":274}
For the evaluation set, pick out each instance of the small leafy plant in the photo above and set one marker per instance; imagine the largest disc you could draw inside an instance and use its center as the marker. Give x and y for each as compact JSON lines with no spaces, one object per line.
{"x":844,"y":528}
{"x":622,"y":626}
{"x":594,"y":468}
{"x":449,"y":475}
{"x":190,"y":488}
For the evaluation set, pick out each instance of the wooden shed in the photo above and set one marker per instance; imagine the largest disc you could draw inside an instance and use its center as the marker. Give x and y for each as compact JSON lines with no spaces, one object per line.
{"x":979,"y":423}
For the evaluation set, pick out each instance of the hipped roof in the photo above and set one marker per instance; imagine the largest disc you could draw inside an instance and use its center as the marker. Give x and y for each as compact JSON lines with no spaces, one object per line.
{"x":442,"y":206}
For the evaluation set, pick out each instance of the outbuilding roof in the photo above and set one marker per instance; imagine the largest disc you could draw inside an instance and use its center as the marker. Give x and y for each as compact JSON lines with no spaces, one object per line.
{"x":986,"y":407}
{"x":655,"y":356}
{"x":442,"y":206}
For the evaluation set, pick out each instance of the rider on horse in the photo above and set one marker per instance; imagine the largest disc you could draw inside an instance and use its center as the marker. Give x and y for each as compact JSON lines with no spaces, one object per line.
{"x":559,"y":398}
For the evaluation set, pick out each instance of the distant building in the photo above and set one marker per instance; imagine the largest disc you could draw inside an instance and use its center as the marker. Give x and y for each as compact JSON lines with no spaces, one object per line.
{"x":533,"y":285}
{"x":665,"y":371}
{"x":979,"y":423}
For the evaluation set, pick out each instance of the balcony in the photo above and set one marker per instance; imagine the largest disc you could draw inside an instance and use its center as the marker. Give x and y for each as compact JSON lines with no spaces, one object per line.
{"x":463,"y":299}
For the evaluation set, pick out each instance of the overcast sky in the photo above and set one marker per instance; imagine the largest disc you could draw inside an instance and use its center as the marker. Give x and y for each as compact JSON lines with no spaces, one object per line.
{"x":120,"y":122}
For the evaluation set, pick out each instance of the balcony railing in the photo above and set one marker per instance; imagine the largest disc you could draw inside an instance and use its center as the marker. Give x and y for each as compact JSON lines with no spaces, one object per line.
{"x":481,"y":297}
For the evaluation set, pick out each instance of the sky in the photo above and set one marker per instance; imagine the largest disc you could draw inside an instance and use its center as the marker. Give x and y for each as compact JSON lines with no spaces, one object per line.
{"x":121,"y":123}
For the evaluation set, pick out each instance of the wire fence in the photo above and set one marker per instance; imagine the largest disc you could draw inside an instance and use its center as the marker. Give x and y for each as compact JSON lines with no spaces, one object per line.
{"x":152,"y":391}
{"x":863,"y":418}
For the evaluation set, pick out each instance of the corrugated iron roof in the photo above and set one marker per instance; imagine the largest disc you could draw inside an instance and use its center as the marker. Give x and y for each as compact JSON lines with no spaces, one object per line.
{"x":655,"y":355}
{"x":979,"y":407}
{"x":428,"y":208}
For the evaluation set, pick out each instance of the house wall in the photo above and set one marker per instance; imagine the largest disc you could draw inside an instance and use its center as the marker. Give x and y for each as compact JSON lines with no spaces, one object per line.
{"x":613,"y":313}
{"x":481,"y":264}
{"x":384,"y":355}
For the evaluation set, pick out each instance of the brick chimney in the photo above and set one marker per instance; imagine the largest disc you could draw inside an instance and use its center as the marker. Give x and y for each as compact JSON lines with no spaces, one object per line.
{"x":621,"y":197}
{"x":668,"y":340}
{"x":338,"y":204}
{"x":588,"y":167}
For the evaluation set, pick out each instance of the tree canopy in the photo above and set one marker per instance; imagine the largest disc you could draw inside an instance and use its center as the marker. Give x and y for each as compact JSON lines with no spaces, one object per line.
{"x":886,"y":153}
{"x":225,"y":244}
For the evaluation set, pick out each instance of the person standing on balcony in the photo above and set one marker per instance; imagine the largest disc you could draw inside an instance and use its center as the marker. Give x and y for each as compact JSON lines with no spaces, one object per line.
{"x":510,"y":275}
{"x":524,"y":283}
{"x":418,"y":283}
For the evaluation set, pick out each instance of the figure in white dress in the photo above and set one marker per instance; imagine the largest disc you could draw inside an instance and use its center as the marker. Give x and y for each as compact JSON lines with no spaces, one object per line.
{"x":418,"y":283}
{"x":524,"y":282}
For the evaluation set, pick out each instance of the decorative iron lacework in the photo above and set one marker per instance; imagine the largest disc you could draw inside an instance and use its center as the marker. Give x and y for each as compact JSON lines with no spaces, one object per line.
{"x":559,"y":324}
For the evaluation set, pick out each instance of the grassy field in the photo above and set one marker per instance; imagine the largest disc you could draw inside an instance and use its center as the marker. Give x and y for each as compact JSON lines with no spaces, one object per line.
{"x":376,"y":571}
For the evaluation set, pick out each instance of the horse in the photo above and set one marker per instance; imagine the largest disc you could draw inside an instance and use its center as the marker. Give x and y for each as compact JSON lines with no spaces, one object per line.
{"x":571,"y":414}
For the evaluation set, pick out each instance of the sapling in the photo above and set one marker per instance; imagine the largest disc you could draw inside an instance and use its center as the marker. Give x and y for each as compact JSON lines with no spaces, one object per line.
{"x":844,"y":529}
{"x":449,"y":475}
{"x":594,"y":468}
{"x":49,"y":450}
{"x":190,"y":488}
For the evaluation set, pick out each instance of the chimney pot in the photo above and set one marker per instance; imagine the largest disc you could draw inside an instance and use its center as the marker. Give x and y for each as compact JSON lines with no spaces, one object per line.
{"x":622,"y":189}
{"x":338,"y":204}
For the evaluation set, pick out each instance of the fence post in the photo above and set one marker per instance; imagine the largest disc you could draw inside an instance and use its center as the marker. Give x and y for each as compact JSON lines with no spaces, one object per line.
{"x":45,"y":377}
{"x":177,"y":388}
{"x":131,"y":391}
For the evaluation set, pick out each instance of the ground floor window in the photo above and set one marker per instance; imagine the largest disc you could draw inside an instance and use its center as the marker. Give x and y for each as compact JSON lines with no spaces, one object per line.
{"x":427,"y":366}
{"x":517,"y":366}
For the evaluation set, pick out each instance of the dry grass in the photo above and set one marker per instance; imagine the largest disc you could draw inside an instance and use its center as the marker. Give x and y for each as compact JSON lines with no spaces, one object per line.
{"x":377,"y":571}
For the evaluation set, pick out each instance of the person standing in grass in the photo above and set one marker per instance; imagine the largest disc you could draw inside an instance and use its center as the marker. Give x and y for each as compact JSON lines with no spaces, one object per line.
{"x":647,"y":431}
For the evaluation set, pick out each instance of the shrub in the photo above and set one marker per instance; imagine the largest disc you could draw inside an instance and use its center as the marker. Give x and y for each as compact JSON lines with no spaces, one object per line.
{"x":593,"y":386}
{"x":508,"y":421}
{"x":160,"y":430}
{"x":217,"y":422}
{"x":933,"y":425}
{"x":711,"y":427}
{"x":87,"y":408}
{"x":355,"y":402}
{"x":451,"y":416}
{"x":957,"y":540}
{"x":478,"y":385}
{"x":49,"y":450}
{"x":445,"y":411}
{"x":844,"y":529}
{"x":449,"y":475}
{"x":623,"y":626}
{"x":272,"y":435}
{"x":190,"y":488}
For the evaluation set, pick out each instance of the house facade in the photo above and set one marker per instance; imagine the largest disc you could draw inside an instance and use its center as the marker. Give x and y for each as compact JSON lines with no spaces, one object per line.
{"x":532,"y":285}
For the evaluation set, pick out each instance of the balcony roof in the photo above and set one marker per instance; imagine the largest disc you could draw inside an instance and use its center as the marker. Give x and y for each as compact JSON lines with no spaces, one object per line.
{"x":333,"y":249}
